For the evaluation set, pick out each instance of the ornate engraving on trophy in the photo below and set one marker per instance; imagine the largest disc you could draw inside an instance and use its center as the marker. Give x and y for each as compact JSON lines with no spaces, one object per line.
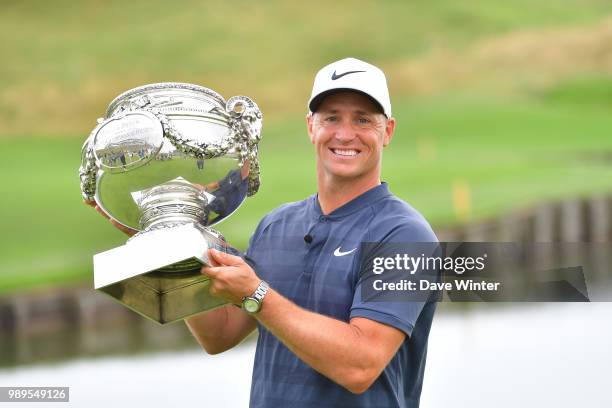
{"x":129,"y":140}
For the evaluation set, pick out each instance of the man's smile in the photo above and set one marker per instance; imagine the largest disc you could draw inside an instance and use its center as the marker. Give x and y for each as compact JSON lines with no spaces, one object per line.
{"x":344,"y":152}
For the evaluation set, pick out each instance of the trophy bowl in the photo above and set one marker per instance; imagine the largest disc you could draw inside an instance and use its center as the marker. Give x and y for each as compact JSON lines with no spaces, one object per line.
{"x":169,"y":160}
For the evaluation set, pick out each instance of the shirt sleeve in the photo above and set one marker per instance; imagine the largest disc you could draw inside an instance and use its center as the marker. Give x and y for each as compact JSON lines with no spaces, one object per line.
{"x":255,"y":237}
{"x":399,"y":309}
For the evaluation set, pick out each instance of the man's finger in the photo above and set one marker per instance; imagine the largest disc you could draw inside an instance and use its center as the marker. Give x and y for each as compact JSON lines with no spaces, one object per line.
{"x":212,"y":289}
{"x":211,"y":271}
{"x":224,"y":258}
{"x":211,"y":260}
{"x":101,"y":211}
{"x":123,"y":228}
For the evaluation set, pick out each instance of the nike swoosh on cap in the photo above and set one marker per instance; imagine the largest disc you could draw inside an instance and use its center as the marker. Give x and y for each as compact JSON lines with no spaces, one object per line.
{"x":334,"y":76}
{"x":337,"y":252}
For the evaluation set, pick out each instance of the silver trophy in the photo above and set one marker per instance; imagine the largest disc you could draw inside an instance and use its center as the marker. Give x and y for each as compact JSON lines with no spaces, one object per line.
{"x":169,"y":160}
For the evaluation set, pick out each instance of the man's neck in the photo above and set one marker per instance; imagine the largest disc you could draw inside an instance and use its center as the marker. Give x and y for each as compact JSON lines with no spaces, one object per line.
{"x":334,"y":194}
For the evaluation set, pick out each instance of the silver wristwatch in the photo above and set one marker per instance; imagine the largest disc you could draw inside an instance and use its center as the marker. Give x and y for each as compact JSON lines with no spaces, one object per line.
{"x":252,"y":304}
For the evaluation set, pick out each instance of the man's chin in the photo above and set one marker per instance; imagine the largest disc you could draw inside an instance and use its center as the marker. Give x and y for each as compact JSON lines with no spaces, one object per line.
{"x":345,"y":176}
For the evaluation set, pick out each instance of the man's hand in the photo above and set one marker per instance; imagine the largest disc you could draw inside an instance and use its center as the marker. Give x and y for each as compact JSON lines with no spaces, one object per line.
{"x":232,"y":278}
{"x":223,"y":328}
{"x":121,"y":227}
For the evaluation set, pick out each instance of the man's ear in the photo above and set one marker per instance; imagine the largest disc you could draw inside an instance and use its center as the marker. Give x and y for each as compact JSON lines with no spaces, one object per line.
{"x":389,"y":131}
{"x":309,"y":126}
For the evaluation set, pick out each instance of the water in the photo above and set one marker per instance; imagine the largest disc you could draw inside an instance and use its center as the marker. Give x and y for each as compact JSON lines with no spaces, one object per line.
{"x":548,"y":355}
{"x":532,"y":355}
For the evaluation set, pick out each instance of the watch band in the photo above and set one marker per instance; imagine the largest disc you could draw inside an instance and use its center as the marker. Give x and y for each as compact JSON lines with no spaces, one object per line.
{"x":256,"y":297}
{"x":261,"y":291}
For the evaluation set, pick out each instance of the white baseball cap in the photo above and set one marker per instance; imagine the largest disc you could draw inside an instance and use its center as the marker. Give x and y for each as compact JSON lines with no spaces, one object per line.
{"x":355,"y":75}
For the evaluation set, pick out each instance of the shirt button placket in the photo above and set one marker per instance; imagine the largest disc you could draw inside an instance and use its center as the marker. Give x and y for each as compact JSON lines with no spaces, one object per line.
{"x":320,"y":232}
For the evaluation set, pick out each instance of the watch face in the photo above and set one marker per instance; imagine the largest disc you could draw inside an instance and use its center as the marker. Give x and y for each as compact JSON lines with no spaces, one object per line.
{"x":251,"y":305}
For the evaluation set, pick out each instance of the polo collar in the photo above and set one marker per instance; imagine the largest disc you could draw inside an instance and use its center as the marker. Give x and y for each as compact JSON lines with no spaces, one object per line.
{"x":360,"y":202}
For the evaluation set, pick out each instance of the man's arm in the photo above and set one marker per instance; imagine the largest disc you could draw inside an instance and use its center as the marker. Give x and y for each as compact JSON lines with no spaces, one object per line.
{"x":351,"y":354}
{"x":221,"y":329}
{"x":127,"y":230}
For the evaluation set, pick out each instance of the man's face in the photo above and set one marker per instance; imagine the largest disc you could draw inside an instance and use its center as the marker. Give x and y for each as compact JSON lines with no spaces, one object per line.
{"x":349,"y":133}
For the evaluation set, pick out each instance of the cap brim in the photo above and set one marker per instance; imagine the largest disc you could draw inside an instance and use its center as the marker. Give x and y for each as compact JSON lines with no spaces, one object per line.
{"x":316,"y":101}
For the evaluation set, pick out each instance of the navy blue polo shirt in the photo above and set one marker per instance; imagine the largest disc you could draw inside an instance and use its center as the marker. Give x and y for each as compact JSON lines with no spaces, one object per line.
{"x":323,"y":276}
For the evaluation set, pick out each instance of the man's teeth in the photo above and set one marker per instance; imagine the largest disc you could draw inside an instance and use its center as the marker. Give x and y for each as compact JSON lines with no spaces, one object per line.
{"x":345,"y":152}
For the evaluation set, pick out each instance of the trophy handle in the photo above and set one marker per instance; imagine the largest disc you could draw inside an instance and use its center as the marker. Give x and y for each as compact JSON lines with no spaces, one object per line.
{"x":245,"y":119}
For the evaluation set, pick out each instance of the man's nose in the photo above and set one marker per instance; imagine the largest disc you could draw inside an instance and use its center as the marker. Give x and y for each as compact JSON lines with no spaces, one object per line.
{"x":345,"y":132}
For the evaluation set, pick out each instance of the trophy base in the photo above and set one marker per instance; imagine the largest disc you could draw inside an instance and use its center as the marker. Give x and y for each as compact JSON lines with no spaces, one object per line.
{"x":157,"y":274}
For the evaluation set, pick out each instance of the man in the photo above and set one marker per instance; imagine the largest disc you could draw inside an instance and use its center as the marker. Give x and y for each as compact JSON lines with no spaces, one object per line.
{"x":320,"y":343}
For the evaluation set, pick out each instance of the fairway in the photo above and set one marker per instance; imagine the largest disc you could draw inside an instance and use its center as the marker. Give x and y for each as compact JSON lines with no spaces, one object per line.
{"x":508,"y":154}
{"x":500,"y":105}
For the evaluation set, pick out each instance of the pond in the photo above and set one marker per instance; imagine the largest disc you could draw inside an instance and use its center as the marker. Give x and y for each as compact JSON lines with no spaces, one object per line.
{"x":530,"y":355}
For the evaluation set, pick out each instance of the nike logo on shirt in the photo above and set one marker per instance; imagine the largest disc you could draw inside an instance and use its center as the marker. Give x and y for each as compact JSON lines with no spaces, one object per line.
{"x":337,"y":252}
{"x":334,"y":76}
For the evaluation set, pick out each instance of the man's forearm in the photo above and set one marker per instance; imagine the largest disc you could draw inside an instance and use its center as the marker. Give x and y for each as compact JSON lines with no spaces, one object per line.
{"x":336,"y":349}
{"x":220,"y":329}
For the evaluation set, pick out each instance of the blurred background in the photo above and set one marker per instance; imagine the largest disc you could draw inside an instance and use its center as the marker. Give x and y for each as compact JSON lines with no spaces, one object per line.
{"x":504,"y":132}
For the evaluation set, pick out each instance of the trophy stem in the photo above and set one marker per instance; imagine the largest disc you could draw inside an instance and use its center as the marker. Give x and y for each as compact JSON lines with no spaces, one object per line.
{"x":171,"y":204}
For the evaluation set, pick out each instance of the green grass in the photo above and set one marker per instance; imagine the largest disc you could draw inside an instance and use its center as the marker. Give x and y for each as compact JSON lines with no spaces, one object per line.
{"x":510,"y":132}
{"x":582,"y":92}
{"x":65,"y":60}
{"x":509,"y":152}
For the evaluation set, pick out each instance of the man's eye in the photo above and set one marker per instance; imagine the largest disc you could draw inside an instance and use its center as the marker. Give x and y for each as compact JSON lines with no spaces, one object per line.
{"x":331,"y":119}
{"x":363,"y":121}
